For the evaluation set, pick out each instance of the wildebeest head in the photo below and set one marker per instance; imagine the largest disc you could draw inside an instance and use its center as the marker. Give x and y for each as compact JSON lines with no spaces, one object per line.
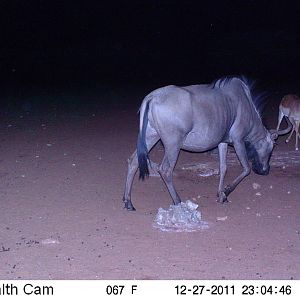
{"x":259,"y":153}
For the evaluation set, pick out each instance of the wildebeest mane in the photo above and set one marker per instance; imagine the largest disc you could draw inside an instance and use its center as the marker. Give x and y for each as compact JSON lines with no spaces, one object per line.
{"x":258,"y":98}
{"x":221,"y":82}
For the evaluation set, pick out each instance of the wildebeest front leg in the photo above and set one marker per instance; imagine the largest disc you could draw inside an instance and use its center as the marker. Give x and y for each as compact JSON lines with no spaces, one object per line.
{"x":222,"y":167}
{"x":241,"y":153}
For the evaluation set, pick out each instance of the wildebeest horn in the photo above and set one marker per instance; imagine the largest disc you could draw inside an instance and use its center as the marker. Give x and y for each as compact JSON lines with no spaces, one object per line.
{"x":284,"y":131}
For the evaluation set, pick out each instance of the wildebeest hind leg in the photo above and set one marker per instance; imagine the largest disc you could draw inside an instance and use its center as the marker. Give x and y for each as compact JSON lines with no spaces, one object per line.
{"x":153,"y":168}
{"x":151,"y":140}
{"x":166,"y":170}
{"x":132,"y":168}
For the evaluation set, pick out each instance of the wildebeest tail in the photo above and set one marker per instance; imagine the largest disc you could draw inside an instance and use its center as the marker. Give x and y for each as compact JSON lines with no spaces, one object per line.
{"x":142,"y":151}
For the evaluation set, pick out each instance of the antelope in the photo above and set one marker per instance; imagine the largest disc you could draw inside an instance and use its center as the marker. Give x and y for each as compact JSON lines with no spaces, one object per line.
{"x":290,"y":108}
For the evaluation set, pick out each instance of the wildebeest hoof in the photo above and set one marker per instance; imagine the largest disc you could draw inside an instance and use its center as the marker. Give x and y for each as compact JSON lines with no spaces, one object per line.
{"x":227,"y":190}
{"x":177,"y":202}
{"x":222,"y":197}
{"x":128,"y":205}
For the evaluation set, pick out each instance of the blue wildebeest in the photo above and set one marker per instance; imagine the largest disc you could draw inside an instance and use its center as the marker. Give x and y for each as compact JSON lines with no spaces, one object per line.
{"x":199,"y":118}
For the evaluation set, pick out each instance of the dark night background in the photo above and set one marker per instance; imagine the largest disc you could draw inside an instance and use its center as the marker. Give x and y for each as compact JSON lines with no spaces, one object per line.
{"x":81,"y":45}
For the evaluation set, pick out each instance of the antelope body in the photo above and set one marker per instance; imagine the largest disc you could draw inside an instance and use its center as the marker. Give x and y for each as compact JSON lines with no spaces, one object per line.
{"x":290,"y":108}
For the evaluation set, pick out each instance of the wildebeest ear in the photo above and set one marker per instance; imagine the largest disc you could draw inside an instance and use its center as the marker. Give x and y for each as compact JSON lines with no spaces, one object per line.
{"x":274,"y":135}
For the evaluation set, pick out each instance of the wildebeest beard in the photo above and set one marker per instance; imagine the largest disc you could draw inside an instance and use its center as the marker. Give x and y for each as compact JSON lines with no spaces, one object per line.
{"x":253,"y":157}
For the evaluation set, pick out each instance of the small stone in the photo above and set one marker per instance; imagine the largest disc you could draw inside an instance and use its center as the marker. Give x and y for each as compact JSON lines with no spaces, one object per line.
{"x":49,"y":241}
{"x":255,"y":185}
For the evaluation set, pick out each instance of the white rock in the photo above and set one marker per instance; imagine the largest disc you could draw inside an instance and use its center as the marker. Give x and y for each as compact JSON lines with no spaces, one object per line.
{"x":183,"y":217}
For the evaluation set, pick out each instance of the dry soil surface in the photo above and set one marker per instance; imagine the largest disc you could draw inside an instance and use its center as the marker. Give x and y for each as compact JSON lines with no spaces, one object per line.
{"x":62,"y":217}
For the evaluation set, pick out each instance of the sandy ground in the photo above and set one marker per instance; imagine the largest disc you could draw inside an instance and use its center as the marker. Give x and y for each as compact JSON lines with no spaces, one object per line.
{"x":62,"y":217}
